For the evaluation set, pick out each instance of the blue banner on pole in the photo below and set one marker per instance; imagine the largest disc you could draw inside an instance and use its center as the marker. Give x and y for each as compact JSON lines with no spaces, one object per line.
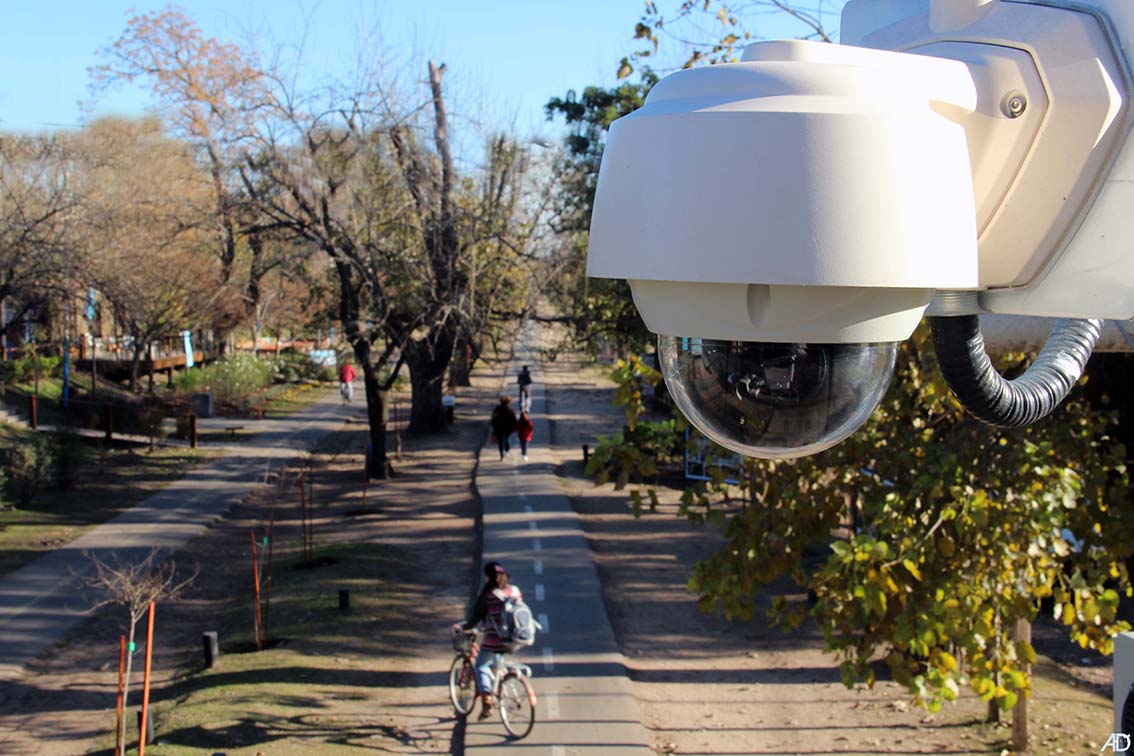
{"x":90,"y":303}
{"x":188,"y":336}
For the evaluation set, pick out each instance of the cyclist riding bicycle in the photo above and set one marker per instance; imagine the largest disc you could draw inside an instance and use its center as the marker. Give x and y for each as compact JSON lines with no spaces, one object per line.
{"x":488,"y":613}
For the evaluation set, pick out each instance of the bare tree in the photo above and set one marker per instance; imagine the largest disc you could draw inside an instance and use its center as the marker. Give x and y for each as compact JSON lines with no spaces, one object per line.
{"x":146,"y":225}
{"x":37,"y":201}
{"x":133,"y":586}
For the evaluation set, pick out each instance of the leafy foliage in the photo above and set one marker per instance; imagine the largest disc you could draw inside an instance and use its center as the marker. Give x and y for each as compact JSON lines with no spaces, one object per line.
{"x":30,"y":465}
{"x":942,"y":533}
{"x":230,"y":380}
{"x":601,"y":310}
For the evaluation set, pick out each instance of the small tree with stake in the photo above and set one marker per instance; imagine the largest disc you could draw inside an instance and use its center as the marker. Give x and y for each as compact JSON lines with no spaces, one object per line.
{"x":134,"y":585}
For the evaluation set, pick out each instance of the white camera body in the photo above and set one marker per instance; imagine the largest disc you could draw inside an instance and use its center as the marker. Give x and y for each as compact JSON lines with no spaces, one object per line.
{"x":972,"y":154}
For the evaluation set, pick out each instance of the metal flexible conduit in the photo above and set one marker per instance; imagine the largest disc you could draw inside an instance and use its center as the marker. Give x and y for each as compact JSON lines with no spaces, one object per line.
{"x":986,"y":395}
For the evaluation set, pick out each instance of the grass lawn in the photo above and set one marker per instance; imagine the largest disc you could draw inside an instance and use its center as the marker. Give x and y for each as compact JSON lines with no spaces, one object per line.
{"x":264,"y":702}
{"x":289,"y":398}
{"x":110,"y":480}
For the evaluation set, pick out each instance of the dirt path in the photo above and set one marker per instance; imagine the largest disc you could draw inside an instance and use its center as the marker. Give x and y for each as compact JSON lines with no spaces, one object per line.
{"x":708,"y":686}
{"x":377,"y":683}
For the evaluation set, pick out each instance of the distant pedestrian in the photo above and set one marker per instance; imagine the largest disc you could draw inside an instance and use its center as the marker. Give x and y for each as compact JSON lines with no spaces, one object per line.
{"x":524,"y":429}
{"x":524,"y":379}
{"x":346,"y":381}
{"x":504,"y":424}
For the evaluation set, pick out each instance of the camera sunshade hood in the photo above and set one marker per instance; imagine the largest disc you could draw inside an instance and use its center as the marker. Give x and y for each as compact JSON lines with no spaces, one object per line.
{"x":766,"y":191}
{"x":789,"y":169}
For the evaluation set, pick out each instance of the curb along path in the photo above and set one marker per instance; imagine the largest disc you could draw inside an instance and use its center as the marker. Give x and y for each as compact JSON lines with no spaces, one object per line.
{"x":585,"y":701}
{"x":42,"y":601}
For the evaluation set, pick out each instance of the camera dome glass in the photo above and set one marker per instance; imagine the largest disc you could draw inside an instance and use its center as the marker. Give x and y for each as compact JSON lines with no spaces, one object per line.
{"x":776,"y":401}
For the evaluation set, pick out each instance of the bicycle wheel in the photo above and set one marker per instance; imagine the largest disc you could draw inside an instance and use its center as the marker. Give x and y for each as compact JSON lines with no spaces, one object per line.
{"x":462,"y":685}
{"x":517,"y":705}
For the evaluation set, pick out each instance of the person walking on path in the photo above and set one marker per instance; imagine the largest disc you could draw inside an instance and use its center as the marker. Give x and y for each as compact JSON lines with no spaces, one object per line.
{"x":524,"y":379}
{"x":346,"y":381}
{"x":524,"y":430}
{"x":489,"y":614}
{"x":504,"y":424}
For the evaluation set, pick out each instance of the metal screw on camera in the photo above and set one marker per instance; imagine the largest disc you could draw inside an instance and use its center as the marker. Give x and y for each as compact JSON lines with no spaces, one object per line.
{"x":1015,"y":105}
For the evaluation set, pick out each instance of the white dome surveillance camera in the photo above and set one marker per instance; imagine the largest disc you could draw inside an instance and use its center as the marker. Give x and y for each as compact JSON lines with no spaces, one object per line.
{"x":785,"y":221}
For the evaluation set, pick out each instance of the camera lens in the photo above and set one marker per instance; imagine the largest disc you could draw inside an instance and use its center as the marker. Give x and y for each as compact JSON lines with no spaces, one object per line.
{"x":776,"y":401}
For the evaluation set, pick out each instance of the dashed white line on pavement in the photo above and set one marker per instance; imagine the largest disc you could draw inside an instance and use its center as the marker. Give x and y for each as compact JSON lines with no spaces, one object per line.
{"x":528,"y":508}
{"x":536,"y":545}
{"x":544,"y":622}
{"x":532,"y":525}
{"x":552,"y":700}
{"x":558,"y":750}
{"x":539,"y":594}
{"x":548,"y":659}
{"x":539,"y":566}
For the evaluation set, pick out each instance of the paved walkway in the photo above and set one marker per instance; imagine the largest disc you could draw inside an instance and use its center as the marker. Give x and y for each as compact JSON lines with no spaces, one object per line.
{"x":586,"y":705}
{"x":42,"y":601}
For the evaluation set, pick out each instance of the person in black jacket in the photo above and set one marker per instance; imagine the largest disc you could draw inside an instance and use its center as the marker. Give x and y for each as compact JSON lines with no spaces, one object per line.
{"x":504,"y":424}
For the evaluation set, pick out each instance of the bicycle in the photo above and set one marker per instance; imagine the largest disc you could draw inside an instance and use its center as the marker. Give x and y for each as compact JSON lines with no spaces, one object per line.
{"x":511,"y":685}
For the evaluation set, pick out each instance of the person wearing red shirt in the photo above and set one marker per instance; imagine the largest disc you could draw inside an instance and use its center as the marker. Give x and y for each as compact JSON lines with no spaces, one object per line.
{"x":524,"y":429}
{"x":346,"y":381}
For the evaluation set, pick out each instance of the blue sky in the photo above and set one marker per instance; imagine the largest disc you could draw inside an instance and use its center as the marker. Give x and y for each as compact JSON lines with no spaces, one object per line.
{"x":510,"y":56}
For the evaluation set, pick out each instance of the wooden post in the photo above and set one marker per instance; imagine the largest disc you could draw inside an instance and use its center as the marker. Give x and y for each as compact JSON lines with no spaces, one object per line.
{"x":193,"y":431}
{"x":109,"y":422}
{"x":119,"y":747}
{"x":33,"y":412}
{"x":256,"y":591}
{"x":1020,"y":712}
{"x":146,"y":684}
{"x":211,"y":645}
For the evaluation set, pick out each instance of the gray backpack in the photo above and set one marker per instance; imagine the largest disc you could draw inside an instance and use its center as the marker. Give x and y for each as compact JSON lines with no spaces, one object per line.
{"x":520,"y":625}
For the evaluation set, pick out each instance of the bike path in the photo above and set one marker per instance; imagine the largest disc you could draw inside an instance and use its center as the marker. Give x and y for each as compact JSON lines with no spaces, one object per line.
{"x":41,"y":602}
{"x":585,"y":702}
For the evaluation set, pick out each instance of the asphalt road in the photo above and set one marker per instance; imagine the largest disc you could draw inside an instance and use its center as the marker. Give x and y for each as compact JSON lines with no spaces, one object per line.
{"x":585,"y":702}
{"x":43,"y":601}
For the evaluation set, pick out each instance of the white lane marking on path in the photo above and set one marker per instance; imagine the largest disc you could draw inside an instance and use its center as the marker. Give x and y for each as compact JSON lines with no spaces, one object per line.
{"x":539,"y":566}
{"x":522,"y":496}
{"x":548,"y":659}
{"x":558,"y":750}
{"x":536,"y":545}
{"x":552,"y":700}
{"x":528,"y":508}
{"x":544,"y":622}
{"x":532,"y":525}
{"x":539,"y":594}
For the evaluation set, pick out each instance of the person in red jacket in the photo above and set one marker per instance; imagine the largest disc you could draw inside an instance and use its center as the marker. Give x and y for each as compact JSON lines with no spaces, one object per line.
{"x":524,"y":429}
{"x":346,"y":381}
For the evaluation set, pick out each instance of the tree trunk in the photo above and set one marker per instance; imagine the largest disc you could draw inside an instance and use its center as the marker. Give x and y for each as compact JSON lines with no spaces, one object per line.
{"x":376,"y":415}
{"x":460,"y":370}
{"x":150,"y":364}
{"x":427,"y":367}
{"x":135,"y":365}
{"x":1020,"y":713}
{"x":126,"y":686}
